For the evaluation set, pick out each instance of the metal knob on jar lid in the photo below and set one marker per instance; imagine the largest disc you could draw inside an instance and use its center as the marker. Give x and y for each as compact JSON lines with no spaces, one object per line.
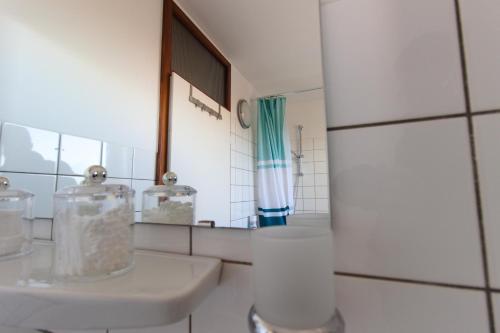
{"x":4,"y":183}
{"x":95,"y":174}
{"x":170,"y":178}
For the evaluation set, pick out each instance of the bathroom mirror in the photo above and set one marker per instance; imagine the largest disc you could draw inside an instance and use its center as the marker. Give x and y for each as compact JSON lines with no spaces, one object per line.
{"x":146,"y":87}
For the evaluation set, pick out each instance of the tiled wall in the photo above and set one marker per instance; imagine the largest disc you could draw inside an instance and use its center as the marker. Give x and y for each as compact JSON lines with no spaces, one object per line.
{"x":43,"y":162}
{"x":414,"y":131}
{"x":311,"y":191}
{"x":243,"y":173}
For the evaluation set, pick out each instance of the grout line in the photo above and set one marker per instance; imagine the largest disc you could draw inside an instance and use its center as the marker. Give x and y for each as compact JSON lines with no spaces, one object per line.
{"x":190,"y":240}
{"x":236,"y":262}
{"x":485,"y":112}
{"x":396,"y":122}
{"x":410,"y":281}
{"x":390,"y":279}
{"x":475,"y":168}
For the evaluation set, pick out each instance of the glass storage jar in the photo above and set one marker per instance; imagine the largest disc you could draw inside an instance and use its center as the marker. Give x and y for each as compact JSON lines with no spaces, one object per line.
{"x":16,"y":221}
{"x":169,"y":203}
{"x":93,"y":228}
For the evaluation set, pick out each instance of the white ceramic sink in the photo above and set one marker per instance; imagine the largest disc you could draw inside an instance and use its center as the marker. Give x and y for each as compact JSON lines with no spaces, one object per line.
{"x":160,"y":290}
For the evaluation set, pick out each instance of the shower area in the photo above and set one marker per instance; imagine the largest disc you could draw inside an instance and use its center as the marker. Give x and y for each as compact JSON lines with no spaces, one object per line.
{"x":306,"y":123}
{"x":306,"y":128}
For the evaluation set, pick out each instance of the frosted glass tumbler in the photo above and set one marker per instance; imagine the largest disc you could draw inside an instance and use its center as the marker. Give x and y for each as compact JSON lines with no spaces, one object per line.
{"x":293,"y":276}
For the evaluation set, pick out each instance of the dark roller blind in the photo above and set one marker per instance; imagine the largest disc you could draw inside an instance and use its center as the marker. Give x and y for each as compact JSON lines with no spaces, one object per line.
{"x":194,"y":62}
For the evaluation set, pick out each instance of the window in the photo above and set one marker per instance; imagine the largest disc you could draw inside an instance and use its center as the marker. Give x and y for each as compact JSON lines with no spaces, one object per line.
{"x":189,"y":53}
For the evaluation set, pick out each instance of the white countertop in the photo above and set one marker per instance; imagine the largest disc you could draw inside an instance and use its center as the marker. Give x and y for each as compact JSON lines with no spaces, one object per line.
{"x":161,"y":289}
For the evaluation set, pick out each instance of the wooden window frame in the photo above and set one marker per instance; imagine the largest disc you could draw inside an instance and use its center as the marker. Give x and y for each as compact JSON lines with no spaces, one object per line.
{"x":171,"y":11}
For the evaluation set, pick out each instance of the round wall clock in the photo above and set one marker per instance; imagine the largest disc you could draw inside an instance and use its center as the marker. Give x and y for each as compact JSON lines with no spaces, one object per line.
{"x":244,"y":115}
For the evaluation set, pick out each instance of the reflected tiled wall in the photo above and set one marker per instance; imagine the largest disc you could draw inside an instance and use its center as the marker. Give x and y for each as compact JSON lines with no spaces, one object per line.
{"x":243,"y":173}
{"x":43,"y":161}
{"x":311,"y":191}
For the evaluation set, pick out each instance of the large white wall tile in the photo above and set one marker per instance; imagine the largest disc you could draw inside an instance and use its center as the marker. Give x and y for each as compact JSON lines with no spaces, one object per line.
{"x":28,"y":149}
{"x":487,"y":133}
{"x":144,"y":164}
{"x":388,"y":64}
{"x":225,"y":310}
{"x":382,"y":307}
{"x":180,"y":327}
{"x":223,"y":243}
{"x":481,"y":28}
{"x":403,"y":202}
{"x":496,"y":307}
{"x":67,"y":181}
{"x":140,"y":186}
{"x":167,"y":238}
{"x":77,"y":154}
{"x":42,"y":186}
{"x":117,"y":160}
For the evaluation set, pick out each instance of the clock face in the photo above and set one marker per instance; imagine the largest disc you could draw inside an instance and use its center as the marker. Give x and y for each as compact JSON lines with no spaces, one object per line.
{"x":244,"y":115}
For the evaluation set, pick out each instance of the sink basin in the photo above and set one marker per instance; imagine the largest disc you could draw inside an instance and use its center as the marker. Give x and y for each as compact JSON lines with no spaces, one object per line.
{"x":161,"y":289}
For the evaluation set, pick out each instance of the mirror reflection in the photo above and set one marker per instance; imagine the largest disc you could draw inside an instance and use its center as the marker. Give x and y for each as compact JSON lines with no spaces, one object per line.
{"x":233,"y":105}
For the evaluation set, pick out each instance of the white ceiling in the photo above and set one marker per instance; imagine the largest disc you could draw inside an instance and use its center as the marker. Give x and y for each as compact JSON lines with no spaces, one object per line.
{"x":274,"y":43}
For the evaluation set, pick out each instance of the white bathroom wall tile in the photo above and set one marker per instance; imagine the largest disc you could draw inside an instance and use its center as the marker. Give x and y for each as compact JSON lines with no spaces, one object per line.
{"x":240,"y":223}
{"x":162,"y":237}
{"x":403,"y":202}
{"x":307,"y":180}
{"x":121,"y":181}
{"x":309,"y":204}
{"x":308,"y":192}
{"x":320,"y":167}
{"x":222,"y":243}
{"x":307,"y":167}
{"x":180,"y":327}
{"x":225,"y":310}
{"x":320,"y":143}
{"x":42,"y":186}
{"x":397,"y":68}
{"x":322,"y":205}
{"x":319,"y":155}
{"x":308,"y":156}
{"x":117,"y":160}
{"x":233,"y":176}
{"x":144,"y":164}
{"x":26,"y":149}
{"x":77,"y":154}
{"x":321,"y":179}
{"x":66,"y":181}
{"x":381,"y":307}
{"x":322,"y":192}
{"x":482,"y":48}
{"x":487,"y":133}
{"x":307,"y":144}
{"x":140,"y":186}
{"x":42,"y":229}
{"x":496,"y":307}
{"x":299,"y":204}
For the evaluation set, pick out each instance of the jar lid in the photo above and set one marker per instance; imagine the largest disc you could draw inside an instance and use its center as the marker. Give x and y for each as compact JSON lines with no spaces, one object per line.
{"x":6,"y":192}
{"x":95,"y":176}
{"x":170,"y":189}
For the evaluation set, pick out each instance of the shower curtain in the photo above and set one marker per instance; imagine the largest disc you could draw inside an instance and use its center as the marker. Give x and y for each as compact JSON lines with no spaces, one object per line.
{"x":274,"y":163}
